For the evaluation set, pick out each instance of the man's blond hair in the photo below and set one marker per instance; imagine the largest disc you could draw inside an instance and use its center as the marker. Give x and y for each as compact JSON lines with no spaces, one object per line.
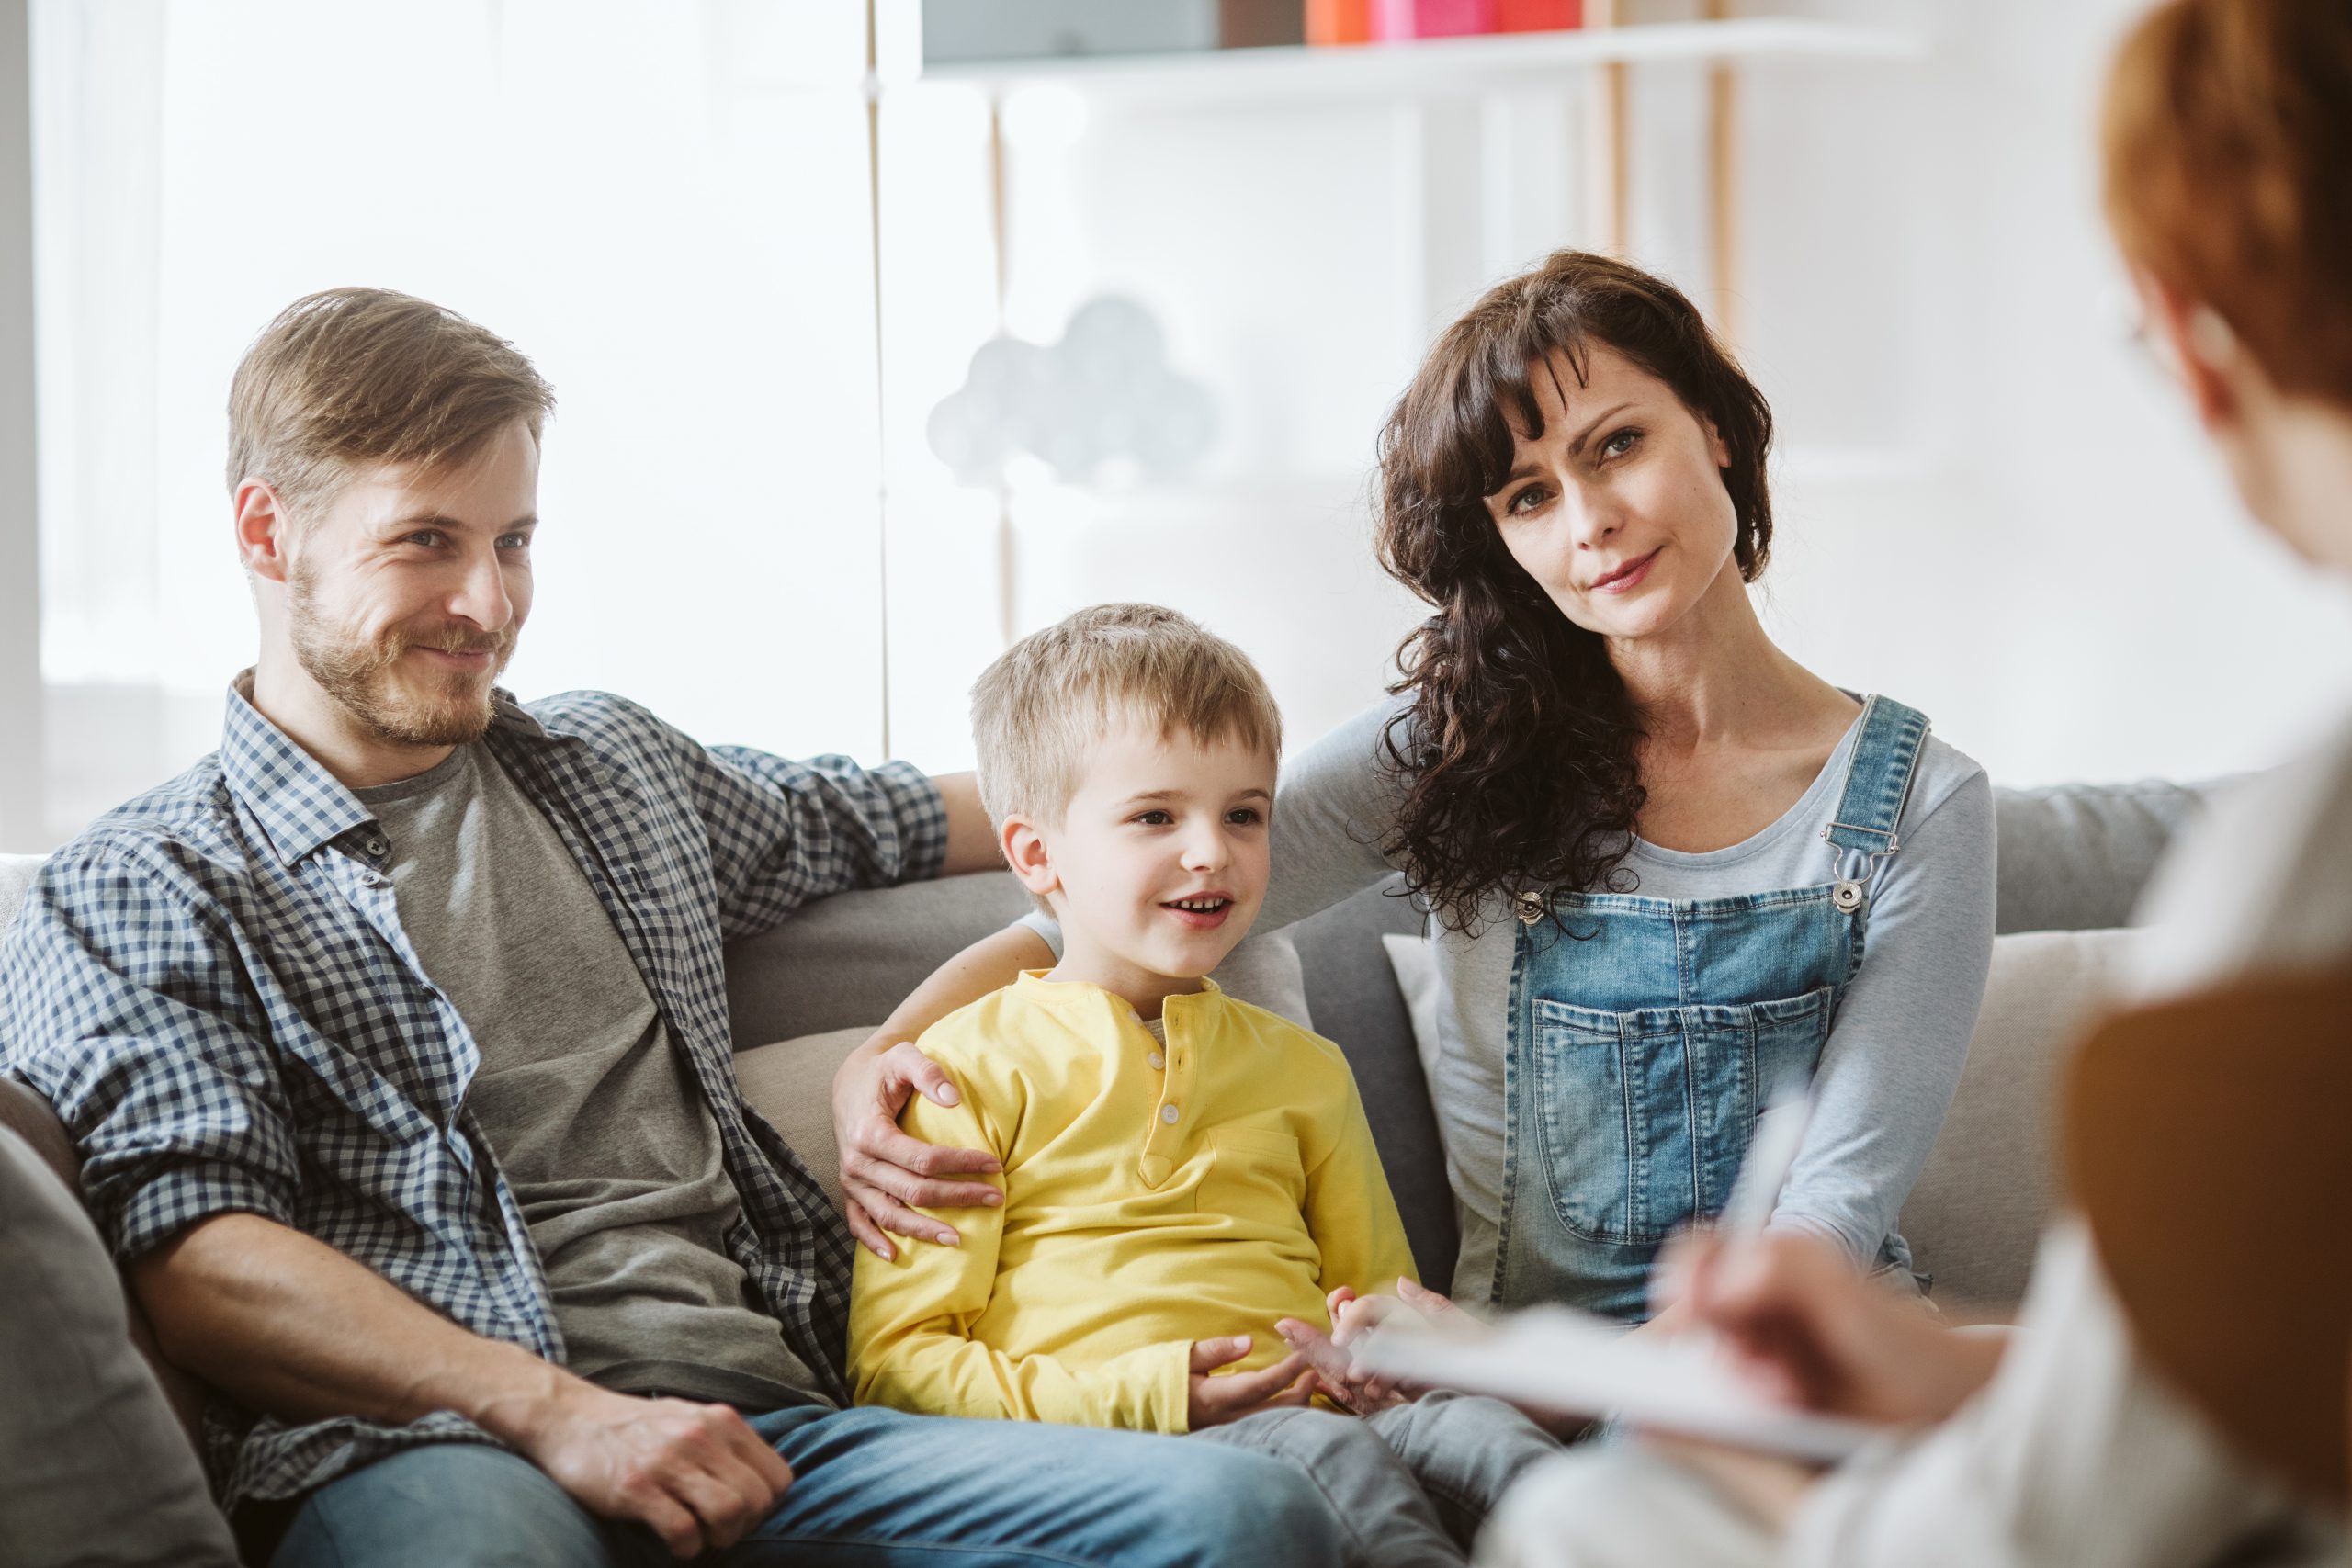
{"x":1053,"y":693}
{"x":355,"y":376}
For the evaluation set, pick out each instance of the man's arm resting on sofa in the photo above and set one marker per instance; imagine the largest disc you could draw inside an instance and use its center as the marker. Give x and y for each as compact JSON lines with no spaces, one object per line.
{"x":285,"y":1324}
{"x":971,"y":839}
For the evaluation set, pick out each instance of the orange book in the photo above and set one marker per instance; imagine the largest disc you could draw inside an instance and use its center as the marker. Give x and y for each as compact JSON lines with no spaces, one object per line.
{"x":1339,"y":21}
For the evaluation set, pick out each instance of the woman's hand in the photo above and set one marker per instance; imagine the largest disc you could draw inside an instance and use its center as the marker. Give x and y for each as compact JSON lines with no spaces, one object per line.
{"x":885,"y":1170}
{"x":1213,"y":1401}
{"x":1811,"y":1329}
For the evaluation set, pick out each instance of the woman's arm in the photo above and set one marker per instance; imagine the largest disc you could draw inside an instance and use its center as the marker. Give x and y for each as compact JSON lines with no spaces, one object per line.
{"x":1893,"y":1060}
{"x":886,"y":1174}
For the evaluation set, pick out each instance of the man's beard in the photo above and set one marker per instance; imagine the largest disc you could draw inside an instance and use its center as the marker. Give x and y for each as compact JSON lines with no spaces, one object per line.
{"x":453,"y":708}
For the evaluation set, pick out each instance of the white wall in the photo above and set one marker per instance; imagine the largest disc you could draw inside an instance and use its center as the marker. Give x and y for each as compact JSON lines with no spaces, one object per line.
{"x":1990,"y":503}
{"x":21,"y":739}
{"x":2067,"y":584}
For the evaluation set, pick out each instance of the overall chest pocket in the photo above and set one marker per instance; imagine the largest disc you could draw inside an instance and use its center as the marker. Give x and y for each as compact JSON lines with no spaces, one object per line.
{"x":1643,"y":1117}
{"x":1253,"y":1171}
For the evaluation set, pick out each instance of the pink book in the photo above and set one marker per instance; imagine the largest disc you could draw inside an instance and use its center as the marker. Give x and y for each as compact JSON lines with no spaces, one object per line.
{"x":1431,"y":18}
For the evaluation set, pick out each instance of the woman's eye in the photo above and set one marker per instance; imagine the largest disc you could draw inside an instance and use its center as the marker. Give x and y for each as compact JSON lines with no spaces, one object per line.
{"x":1624,"y":441}
{"x":1526,"y":501}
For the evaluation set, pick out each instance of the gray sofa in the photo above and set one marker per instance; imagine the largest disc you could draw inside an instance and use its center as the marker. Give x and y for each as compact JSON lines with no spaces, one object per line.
{"x":2071,"y":864}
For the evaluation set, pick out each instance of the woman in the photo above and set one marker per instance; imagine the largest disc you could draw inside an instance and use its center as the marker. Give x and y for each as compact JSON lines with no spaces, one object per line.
{"x":1671,"y":870}
{"x":2228,"y":127}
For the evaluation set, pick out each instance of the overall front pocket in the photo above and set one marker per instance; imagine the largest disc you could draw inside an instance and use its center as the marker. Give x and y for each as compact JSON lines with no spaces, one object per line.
{"x":1641,"y":1118}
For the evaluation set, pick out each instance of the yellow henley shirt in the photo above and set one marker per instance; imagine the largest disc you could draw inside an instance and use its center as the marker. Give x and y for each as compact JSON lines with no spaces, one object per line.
{"x":1152,"y":1197}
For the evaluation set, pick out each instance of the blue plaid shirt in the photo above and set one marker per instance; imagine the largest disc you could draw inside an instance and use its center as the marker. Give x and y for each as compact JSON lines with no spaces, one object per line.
{"x":212,"y":987}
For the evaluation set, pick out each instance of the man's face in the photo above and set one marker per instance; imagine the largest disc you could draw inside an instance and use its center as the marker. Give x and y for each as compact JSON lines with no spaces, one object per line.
{"x":1160,"y":859}
{"x":405,"y":592}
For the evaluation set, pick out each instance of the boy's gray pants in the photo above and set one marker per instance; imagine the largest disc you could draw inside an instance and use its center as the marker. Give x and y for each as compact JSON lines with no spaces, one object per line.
{"x":1410,"y":1485}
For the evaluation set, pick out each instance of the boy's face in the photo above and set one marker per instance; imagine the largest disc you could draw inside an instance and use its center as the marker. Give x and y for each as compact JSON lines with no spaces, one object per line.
{"x":1159,"y":865}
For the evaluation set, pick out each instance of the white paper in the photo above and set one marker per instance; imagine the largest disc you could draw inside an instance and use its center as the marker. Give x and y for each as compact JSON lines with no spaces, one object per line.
{"x":1552,"y":1357}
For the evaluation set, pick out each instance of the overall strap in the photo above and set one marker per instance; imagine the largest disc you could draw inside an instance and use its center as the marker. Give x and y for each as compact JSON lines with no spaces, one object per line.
{"x":1878,"y":778}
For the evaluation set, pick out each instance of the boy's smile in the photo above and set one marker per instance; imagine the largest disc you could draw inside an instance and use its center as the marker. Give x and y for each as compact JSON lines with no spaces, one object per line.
{"x":1159,"y":865}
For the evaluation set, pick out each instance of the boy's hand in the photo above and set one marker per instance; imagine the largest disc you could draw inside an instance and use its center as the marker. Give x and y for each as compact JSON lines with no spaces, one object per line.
{"x":1348,"y":1386}
{"x":1213,"y":1401}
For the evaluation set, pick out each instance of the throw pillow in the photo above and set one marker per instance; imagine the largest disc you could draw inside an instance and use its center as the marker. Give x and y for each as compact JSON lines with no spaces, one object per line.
{"x":93,"y":1467}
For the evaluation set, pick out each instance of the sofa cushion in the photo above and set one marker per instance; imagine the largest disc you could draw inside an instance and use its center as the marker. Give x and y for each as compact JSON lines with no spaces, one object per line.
{"x":2075,"y":857}
{"x":790,"y":1082}
{"x":1977,"y":1211}
{"x":93,"y":1467}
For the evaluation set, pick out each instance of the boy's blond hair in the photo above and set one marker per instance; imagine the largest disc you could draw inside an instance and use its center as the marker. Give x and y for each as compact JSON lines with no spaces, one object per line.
{"x":1053,"y":693}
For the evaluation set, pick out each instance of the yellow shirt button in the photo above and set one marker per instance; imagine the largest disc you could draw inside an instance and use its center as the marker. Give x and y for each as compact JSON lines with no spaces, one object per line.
{"x":1157,"y":1060}
{"x":1167,"y":1114}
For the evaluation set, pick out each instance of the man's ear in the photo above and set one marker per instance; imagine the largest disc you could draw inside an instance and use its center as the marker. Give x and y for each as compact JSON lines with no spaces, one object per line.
{"x":1027,"y":852}
{"x":264,"y":530}
{"x":2197,"y":345}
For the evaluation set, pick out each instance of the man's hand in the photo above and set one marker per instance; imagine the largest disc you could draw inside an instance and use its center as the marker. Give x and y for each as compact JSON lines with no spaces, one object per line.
{"x":697,"y":1474}
{"x":1811,"y":1329}
{"x":1213,"y":1401}
{"x":884,"y":1169}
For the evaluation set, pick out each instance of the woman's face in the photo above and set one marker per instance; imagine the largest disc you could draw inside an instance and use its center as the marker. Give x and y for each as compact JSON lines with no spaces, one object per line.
{"x":1619,"y":508}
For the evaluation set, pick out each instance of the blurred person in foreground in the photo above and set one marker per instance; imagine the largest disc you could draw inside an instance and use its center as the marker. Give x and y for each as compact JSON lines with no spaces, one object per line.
{"x":2227,"y":130}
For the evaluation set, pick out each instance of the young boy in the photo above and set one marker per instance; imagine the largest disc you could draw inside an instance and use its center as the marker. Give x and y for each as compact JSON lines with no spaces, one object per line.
{"x":1182,"y":1172}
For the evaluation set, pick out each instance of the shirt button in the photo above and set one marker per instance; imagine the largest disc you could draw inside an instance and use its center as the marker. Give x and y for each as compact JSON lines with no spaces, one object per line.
{"x":376,"y":845}
{"x":1167,"y":1114}
{"x":1157,"y":1060}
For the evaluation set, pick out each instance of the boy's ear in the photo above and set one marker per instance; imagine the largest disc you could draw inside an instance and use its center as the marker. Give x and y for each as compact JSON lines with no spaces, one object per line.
{"x":1027,"y":852}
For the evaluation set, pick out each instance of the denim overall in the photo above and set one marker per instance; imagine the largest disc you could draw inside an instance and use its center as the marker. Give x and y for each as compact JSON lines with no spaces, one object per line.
{"x":1647,"y":1033}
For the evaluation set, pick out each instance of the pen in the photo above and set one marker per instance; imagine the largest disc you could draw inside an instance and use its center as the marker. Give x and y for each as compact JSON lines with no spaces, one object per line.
{"x":1771,"y":1151}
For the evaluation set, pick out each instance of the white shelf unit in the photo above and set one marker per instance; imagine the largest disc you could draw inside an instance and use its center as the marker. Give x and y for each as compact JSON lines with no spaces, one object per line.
{"x":1424,"y":66}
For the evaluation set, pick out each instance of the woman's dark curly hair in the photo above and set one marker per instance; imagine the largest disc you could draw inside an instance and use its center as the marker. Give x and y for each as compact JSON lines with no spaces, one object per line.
{"x":1517,"y":750}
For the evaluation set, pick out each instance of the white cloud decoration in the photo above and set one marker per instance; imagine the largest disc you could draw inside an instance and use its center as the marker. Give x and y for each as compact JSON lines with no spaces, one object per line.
{"x":1101,"y":400}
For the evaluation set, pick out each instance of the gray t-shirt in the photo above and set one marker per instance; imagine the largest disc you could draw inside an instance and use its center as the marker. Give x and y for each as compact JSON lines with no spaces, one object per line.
{"x":1891,"y":1061}
{"x":595,"y":1118}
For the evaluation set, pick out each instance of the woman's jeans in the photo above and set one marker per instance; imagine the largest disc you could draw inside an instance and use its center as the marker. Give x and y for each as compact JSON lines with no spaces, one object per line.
{"x":870,"y":1486}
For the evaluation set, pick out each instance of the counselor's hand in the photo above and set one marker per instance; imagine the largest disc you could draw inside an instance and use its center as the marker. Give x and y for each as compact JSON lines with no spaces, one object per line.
{"x":884,"y":1171}
{"x":1811,"y":1329}
{"x":1214,"y":1400}
{"x":697,"y":1474}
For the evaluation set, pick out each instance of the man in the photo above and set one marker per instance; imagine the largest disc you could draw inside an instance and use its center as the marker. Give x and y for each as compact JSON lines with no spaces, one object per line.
{"x":395,"y":1039}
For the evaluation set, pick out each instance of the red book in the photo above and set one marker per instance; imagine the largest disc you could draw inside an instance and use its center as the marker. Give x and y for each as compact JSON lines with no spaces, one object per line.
{"x":1339,"y":21}
{"x":1537,"y":15}
{"x":1432,"y":18}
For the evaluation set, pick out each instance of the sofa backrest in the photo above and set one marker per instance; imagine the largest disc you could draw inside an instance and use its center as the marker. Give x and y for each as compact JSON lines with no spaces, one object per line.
{"x":2072,"y":858}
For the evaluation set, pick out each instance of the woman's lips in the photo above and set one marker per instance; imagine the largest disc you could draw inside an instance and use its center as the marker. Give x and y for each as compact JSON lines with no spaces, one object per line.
{"x":1625,"y":578}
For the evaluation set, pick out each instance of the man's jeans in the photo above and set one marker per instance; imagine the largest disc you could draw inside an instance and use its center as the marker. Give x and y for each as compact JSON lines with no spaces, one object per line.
{"x":869,"y":1486}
